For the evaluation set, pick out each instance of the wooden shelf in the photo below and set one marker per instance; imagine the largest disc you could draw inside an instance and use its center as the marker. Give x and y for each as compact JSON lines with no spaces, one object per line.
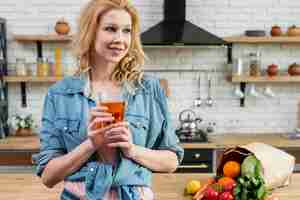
{"x":43,"y":38}
{"x":262,"y":79}
{"x":17,"y":79}
{"x":265,"y":39}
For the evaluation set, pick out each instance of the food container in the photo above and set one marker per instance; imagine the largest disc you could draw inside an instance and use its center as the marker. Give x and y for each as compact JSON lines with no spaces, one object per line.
{"x":43,"y":67}
{"x":272,"y":70}
{"x":293,"y":31}
{"x":21,"y":67}
{"x":276,"y":172}
{"x":255,"y":63}
{"x":62,"y":27}
{"x":276,"y":31}
{"x":294,"y":69}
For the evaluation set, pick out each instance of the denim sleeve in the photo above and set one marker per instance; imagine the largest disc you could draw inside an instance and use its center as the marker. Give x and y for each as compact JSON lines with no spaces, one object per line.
{"x":51,"y":144}
{"x":167,"y":138}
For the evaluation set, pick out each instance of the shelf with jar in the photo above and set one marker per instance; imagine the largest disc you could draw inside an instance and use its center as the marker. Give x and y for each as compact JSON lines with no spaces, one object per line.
{"x":263,"y":40}
{"x":17,"y":79}
{"x":265,"y":79}
{"x":42,"y":70}
{"x":256,"y":75}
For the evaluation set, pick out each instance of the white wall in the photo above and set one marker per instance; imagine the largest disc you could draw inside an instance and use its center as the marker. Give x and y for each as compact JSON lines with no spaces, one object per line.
{"x":222,"y":17}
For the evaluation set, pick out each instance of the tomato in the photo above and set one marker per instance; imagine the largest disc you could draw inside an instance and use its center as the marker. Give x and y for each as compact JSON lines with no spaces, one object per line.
{"x":226,"y":196}
{"x":229,"y":187}
{"x":211,"y":194}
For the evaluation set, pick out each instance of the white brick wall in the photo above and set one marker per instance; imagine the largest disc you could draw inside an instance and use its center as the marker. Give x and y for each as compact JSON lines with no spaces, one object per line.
{"x":222,"y":17}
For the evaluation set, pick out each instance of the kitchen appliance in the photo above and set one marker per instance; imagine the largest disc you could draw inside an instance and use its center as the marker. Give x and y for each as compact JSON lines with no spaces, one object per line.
{"x":175,"y":30}
{"x":189,"y":130}
{"x":3,"y":86}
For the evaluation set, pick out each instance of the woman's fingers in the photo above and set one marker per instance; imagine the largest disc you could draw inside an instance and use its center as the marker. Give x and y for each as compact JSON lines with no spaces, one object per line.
{"x":117,"y":130}
{"x":119,"y":124}
{"x":98,"y":111}
{"x":99,"y":118}
{"x":117,"y":137}
{"x":117,"y":133}
{"x":120,"y":144}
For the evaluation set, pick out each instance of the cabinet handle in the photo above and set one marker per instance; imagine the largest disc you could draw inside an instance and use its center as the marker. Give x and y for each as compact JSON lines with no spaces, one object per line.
{"x":197,"y":155}
{"x":202,"y":166}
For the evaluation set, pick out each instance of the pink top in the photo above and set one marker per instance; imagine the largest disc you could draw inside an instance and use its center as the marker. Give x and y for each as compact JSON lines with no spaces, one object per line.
{"x":78,"y":189}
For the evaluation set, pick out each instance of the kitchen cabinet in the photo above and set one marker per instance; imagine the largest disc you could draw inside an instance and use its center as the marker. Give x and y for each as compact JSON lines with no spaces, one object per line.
{"x":18,"y":150}
{"x":197,"y":161}
{"x":218,"y":143}
{"x":243,"y":80}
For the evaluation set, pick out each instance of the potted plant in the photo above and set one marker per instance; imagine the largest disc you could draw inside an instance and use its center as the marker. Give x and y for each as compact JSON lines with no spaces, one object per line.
{"x":23,"y":125}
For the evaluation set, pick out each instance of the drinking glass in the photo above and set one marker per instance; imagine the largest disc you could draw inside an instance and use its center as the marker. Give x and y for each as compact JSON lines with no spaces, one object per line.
{"x":115,"y":104}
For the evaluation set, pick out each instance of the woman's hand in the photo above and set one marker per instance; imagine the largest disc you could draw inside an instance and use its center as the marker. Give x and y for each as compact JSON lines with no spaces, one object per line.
{"x":98,"y":115}
{"x":119,"y":135}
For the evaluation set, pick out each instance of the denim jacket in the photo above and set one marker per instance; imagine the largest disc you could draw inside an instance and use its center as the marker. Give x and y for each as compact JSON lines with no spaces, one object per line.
{"x":64,"y":126}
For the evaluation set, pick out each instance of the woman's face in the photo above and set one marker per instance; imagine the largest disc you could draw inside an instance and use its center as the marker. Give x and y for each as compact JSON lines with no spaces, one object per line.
{"x":113,"y":36}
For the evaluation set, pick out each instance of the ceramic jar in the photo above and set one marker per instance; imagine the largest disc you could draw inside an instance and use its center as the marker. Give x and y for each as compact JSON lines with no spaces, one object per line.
{"x":293,"y":31}
{"x":276,"y":31}
{"x":62,"y":27}
{"x":272,"y":70}
{"x":294,"y":69}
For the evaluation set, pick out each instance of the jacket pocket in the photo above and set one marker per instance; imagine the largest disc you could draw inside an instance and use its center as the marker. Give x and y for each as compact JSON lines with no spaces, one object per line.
{"x":139,"y":126}
{"x":69,"y":129}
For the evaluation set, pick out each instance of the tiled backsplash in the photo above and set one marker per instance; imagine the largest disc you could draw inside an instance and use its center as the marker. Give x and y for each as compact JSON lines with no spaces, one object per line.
{"x":224,"y":18}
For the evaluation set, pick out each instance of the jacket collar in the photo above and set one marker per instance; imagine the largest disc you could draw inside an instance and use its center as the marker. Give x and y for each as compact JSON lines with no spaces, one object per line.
{"x":77,"y":83}
{"x":80,"y":83}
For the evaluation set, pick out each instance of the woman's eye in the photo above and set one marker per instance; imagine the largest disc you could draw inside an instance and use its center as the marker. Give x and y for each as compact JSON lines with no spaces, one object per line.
{"x":110,"y":28}
{"x":127,"y":30}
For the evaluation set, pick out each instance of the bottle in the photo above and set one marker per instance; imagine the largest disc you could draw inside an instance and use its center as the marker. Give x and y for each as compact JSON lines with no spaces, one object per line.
{"x":58,"y":71}
{"x":46,"y":67}
{"x":39,"y":66}
{"x":255,"y":63}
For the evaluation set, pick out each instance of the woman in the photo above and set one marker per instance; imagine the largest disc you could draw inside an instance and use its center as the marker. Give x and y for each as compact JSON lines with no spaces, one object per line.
{"x":116,"y":161}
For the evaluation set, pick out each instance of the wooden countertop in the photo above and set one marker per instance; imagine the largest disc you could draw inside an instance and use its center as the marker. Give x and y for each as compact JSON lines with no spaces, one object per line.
{"x":32,"y":143}
{"x":231,"y":140}
{"x":23,"y":186}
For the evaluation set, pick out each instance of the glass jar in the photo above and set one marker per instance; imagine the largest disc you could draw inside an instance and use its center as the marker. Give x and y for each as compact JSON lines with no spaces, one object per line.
{"x":254,"y":64}
{"x":43,"y":68}
{"x":20,"y":67}
{"x":237,"y":67}
{"x":39,"y":68}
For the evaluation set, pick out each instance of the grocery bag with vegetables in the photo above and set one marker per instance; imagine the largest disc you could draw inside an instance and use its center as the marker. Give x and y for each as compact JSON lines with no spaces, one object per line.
{"x":248,"y":172}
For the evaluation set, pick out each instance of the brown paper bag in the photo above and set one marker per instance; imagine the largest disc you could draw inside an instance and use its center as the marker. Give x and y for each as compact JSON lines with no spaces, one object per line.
{"x":277,"y":165}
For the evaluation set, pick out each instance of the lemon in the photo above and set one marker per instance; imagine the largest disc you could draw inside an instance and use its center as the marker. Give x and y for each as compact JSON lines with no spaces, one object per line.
{"x":192,"y":186}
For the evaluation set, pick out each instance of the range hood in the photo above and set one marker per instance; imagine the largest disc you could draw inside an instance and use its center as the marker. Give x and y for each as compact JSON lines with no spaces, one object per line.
{"x":174,"y":30}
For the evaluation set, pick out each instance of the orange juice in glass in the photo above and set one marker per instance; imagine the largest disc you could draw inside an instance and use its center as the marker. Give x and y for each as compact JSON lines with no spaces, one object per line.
{"x":115,"y":104}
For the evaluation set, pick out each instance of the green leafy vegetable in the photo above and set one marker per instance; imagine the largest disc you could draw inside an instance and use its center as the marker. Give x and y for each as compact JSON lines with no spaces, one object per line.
{"x":249,"y":166}
{"x":250,"y":185}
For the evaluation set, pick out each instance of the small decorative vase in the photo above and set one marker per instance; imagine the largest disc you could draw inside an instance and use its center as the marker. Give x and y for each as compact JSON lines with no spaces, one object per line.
{"x":24,"y":132}
{"x":62,"y":27}
{"x":276,"y":31}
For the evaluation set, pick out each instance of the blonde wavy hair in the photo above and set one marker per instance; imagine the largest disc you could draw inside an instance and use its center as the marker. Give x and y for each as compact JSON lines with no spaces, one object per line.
{"x":129,"y":69}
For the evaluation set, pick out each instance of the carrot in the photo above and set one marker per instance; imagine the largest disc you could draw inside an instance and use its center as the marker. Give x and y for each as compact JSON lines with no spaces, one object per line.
{"x":200,"y":196}
{"x":200,"y":193}
{"x":272,"y":197}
